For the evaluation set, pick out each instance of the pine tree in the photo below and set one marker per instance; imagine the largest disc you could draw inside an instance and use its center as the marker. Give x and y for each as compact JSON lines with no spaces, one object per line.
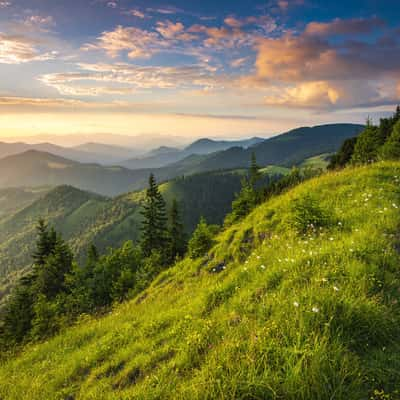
{"x":391,"y":149}
{"x":50,"y":279}
{"x":45,"y":243}
{"x":154,"y":226}
{"x":177,"y":239}
{"x":254,"y":172}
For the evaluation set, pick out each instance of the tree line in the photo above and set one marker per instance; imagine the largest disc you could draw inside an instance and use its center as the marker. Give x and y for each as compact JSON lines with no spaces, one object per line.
{"x":375,"y":143}
{"x":57,"y":290}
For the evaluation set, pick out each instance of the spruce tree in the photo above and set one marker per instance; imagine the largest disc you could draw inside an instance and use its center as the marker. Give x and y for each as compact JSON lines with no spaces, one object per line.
{"x":44,"y":244}
{"x":154,"y":225}
{"x":177,"y":239}
{"x":391,"y":149}
{"x":254,"y":172}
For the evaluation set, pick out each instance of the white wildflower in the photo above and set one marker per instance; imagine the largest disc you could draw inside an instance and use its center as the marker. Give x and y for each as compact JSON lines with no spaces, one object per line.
{"x":296,"y":304}
{"x":315,"y":310}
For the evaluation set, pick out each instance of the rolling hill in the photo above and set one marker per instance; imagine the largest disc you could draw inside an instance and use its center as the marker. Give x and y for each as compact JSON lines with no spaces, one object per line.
{"x":84,"y":218}
{"x":273,"y":312}
{"x":34,"y":168}
{"x":89,"y":153}
{"x":167,"y":155}
{"x":288,"y":149}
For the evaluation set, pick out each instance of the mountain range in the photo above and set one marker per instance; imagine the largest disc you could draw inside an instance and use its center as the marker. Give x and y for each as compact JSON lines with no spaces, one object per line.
{"x":167,"y":155}
{"x":36,"y":168}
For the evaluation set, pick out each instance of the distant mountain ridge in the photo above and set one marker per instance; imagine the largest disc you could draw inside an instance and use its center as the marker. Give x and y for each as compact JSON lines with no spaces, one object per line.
{"x":88,"y":153}
{"x":287,"y":149}
{"x":167,"y":155}
{"x":35,"y":168}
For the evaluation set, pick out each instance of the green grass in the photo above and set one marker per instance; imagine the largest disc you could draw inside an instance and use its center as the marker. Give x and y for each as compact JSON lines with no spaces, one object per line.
{"x":292,"y":316}
{"x":320,"y":161}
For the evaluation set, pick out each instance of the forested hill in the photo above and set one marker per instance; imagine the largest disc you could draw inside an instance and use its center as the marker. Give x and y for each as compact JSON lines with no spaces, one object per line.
{"x":34,"y":168}
{"x":84,"y":218}
{"x":278,"y":309}
{"x":288,"y":149}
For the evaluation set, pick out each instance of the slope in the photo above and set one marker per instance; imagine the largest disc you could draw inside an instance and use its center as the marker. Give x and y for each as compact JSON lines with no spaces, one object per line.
{"x":166,"y":155}
{"x":14,"y":199}
{"x":270,"y":314}
{"x":34,"y":168}
{"x":84,"y":218}
{"x":287,"y":149}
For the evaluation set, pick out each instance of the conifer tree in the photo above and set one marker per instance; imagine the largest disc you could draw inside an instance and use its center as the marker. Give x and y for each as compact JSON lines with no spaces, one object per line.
{"x":177,"y":239}
{"x":154,"y":226}
{"x":391,"y":149}
{"x":254,"y":172}
{"x":45,"y":243}
{"x":50,"y":279}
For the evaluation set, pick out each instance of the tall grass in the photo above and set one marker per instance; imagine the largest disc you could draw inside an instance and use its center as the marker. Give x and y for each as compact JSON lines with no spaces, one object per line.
{"x":296,"y":313}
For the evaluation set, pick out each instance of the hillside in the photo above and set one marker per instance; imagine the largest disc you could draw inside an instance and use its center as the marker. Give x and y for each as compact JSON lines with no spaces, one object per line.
{"x":84,"y":218}
{"x":14,"y":199}
{"x":274,"y":312}
{"x":89,"y":153}
{"x":166,"y":155}
{"x":288,"y":149}
{"x":34,"y":168}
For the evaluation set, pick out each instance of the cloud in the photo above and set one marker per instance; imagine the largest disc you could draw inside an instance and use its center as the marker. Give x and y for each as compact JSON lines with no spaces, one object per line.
{"x":36,"y":23}
{"x":5,"y":4}
{"x":344,"y":27}
{"x":16,"y":49}
{"x":112,"y":4}
{"x":332,"y":95}
{"x":138,"y":43}
{"x":122,"y":79}
{"x":170,"y":30}
{"x":239,"y":62}
{"x":137,"y":13}
{"x":307,"y":57}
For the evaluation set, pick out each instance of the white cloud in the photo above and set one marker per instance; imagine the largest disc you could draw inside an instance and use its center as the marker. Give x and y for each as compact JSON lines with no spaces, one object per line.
{"x":16,"y":49}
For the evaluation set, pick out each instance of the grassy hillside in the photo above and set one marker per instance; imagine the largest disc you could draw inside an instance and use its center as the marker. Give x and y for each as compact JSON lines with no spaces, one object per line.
{"x":274,"y":312}
{"x":84,"y":218}
{"x":14,"y":199}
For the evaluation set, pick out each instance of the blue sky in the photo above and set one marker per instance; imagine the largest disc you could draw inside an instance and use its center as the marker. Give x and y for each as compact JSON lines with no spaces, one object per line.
{"x":195,"y":68}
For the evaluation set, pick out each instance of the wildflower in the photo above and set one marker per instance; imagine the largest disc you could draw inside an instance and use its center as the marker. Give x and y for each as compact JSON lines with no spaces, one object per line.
{"x":296,"y":304}
{"x":324,"y":280}
{"x":262,"y":266}
{"x":335,"y":288}
{"x":331,"y":238}
{"x":315,"y":310}
{"x":258,"y":257}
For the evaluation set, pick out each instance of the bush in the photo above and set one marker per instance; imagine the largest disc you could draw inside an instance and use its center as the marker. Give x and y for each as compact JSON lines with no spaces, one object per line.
{"x":307,"y":215}
{"x":391,"y":149}
{"x":202,"y":239}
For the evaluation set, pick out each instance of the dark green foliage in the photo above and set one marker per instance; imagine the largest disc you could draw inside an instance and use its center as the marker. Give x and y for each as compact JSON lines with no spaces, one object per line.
{"x":343,"y":156}
{"x":202,"y":239}
{"x":374,"y":143}
{"x":307,"y":215}
{"x":391,"y":149}
{"x":367,"y":146}
{"x":17,"y":316}
{"x":154,"y":226}
{"x":250,"y":194}
{"x":176,"y":233}
{"x":45,"y":244}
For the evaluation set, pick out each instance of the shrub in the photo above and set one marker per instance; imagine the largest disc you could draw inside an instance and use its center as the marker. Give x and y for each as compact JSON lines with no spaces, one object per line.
{"x":307,"y":215}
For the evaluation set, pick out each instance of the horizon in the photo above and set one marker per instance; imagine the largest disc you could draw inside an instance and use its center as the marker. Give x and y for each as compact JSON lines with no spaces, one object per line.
{"x":226,"y":70}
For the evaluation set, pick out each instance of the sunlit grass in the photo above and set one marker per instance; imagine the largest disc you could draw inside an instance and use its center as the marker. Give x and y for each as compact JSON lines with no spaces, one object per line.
{"x":291,"y":316}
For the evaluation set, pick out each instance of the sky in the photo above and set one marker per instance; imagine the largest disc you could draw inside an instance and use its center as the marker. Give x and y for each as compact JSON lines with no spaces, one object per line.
{"x":195,"y":68}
